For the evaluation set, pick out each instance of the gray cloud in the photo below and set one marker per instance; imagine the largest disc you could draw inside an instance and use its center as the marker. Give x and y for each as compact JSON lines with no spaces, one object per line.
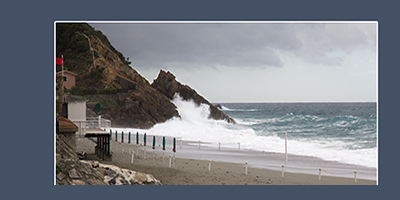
{"x":236,"y":45}
{"x":322,"y":42}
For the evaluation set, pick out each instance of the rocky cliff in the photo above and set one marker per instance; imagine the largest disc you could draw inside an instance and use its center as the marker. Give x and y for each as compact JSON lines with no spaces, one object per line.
{"x":168,"y":85}
{"x":130,"y":100}
{"x":138,"y":104}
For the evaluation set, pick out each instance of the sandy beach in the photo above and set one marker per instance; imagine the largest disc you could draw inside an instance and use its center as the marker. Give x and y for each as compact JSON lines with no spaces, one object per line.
{"x":189,"y":171}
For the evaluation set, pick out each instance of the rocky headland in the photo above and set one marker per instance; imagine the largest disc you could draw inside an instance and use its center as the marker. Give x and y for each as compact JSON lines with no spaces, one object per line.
{"x":169,"y":86}
{"x":127,"y":98}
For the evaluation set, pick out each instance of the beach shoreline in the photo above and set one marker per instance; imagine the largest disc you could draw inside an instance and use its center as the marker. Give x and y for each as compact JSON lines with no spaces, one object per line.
{"x":189,"y":171}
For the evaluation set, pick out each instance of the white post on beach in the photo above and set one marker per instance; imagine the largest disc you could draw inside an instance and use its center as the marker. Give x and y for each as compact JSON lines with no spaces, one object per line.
{"x":283,"y":171}
{"x":174,"y":161}
{"x":355,"y":176}
{"x":163,"y":157}
{"x":169,"y":160}
{"x":245,"y":169}
{"x":286,"y":146}
{"x":319,"y":174}
{"x":209,"y":165}
{"x":219,"y":146}
{"x":133,"y":156}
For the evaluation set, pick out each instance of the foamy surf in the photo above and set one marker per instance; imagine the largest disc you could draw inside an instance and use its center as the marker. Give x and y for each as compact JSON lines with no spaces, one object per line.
{"x":258,"y":134}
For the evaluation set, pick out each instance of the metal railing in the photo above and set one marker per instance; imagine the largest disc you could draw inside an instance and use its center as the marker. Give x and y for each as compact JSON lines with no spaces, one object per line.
{"x":94,"y":123}
{"x":141,"y":141}
{"x":91,"y":123}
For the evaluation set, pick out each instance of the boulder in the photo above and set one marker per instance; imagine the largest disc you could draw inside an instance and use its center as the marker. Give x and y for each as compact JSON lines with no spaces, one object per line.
{"x":73,"y":173}
{"x":77,"y":182}
{"x":95,"y":164}
{"x":61,"y":176}
{"x":82,"y":172}
{"x":85,"y":167}
{"x":118,"y":176}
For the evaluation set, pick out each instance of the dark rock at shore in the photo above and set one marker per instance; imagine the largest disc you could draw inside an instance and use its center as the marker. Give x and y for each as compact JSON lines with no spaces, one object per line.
{"x":143,"y":108}
{"x":168,"y":85}
{"x":73,"y":173}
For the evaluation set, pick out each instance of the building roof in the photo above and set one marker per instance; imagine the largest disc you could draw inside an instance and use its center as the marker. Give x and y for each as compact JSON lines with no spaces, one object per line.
{"x":66,"y":126}
{"x":94,"y":132}
{"x":66,"y":72}
{"x":72,"y":99}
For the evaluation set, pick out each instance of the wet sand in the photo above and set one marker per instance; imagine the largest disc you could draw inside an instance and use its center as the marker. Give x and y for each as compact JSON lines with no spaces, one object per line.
{"x":189,"y":171}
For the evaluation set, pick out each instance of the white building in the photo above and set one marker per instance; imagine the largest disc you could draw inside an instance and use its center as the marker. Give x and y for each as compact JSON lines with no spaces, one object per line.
{"x":77,"y":114}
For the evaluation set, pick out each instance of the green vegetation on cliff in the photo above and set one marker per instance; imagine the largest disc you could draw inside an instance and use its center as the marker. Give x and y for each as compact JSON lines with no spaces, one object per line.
{"x":73,"y":44}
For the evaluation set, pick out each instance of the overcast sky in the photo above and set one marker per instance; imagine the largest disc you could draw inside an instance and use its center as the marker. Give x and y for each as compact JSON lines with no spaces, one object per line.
{"x":256,"y":62}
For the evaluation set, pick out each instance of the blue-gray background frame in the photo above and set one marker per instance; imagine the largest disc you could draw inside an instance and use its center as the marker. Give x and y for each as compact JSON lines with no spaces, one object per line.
{"x":27,"y":41}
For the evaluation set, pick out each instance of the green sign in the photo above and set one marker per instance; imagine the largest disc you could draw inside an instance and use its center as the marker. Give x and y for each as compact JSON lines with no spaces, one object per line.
{"x":99,"y":109}
{"x":163,"y":143}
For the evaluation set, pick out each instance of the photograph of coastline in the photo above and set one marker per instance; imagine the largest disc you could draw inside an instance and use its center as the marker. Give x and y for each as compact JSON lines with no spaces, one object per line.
{"x":216,"y":103}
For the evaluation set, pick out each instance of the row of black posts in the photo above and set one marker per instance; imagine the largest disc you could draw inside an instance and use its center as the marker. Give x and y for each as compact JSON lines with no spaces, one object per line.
{"x":102,"y":148}
{"x":144,"y":140}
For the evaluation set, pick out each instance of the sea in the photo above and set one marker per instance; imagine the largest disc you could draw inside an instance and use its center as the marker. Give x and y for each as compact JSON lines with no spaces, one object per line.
{"x":340,"y":132}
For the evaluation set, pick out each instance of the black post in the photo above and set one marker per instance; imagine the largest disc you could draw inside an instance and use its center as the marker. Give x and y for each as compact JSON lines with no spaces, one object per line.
{"x":102,"y":147}
{"x":97,"y":146}
{"x":108,"y":147}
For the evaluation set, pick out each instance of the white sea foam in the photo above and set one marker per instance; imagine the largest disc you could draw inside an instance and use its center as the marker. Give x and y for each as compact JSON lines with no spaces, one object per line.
{"x":224,"y":108}
{"x":195,"y":125}
{"x":254,"y":121}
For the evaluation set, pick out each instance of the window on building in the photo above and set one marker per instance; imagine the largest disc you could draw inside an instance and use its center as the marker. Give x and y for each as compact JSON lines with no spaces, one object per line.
{"x":65,"y":78}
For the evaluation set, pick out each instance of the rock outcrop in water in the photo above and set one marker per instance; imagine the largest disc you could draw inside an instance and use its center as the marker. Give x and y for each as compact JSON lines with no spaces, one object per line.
{"x":168,"y":85}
